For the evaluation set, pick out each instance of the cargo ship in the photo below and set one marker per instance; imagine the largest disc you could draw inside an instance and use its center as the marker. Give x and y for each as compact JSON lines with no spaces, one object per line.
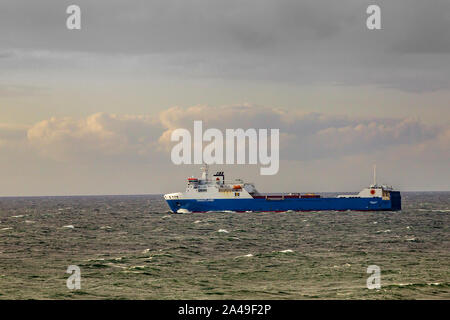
{"x":216,"y":194}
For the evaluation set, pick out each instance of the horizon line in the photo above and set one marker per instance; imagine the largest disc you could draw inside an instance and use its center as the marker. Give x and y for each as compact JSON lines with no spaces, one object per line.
{"x":160,"y":194}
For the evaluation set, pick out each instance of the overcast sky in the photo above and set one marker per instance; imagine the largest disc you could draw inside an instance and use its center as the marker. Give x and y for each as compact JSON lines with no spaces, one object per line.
{"x":90,"y":111}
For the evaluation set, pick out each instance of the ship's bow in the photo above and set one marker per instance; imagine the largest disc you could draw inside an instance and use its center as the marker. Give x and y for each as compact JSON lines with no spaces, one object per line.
{"x":173,"y":200}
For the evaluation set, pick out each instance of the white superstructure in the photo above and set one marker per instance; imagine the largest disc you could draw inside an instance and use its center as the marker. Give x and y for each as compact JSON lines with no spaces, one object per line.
{"x":217,"y":188}
{"x":374,"y":191}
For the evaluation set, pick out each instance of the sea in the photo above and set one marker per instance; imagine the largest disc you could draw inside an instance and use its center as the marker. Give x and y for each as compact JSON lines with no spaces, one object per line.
{"x":132,"y":247}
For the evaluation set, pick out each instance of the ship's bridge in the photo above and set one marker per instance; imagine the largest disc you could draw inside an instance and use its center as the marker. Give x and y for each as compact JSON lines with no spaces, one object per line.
{"x":216,"y":188}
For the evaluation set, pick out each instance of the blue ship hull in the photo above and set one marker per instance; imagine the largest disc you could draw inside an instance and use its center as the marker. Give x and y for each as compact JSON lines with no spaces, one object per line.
{"x":296,"y":204}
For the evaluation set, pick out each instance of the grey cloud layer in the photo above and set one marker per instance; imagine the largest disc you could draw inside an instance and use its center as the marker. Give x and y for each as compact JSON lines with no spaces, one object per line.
{"x":303,"y":42}
{"x":266,"y":26}
{"x":308,"y":136}
{"x":303,"y":136}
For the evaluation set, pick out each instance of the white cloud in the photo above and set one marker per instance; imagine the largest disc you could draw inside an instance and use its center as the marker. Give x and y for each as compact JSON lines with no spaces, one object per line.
{"x":106,"y":148}
{"x":98,"y":134}
{"x":304,"y":136}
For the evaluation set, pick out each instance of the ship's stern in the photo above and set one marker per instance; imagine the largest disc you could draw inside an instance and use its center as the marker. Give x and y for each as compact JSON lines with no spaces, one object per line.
{"x":396,"y":200}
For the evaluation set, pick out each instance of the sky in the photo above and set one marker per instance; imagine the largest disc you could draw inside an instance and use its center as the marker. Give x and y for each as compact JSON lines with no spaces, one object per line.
{"x":91,"y":111}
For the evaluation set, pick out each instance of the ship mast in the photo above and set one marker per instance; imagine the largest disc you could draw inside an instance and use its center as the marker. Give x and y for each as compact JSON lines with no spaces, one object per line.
{"x":374,"y":174}
{"x":205,"y":172}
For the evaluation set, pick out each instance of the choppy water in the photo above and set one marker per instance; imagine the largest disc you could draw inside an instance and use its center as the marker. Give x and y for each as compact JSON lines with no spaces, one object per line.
{"x":130,"y":247}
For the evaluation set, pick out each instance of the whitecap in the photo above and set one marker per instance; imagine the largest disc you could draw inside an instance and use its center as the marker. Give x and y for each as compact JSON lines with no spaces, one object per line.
{"x":404,"y":284}
{"x":223,"y":231}
{"x":69,"y":226}
{"x":137,"y":267}
{"x":286,"y":251}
